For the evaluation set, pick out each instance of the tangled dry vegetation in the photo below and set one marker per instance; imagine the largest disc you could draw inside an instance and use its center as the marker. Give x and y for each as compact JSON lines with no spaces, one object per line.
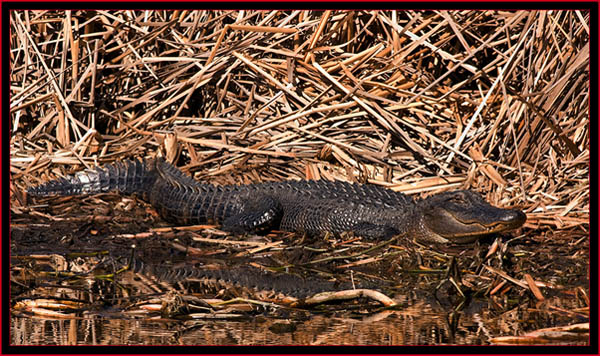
{"x":417,"y":101}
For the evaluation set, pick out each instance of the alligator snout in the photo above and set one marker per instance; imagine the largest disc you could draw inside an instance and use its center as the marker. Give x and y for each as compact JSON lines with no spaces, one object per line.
{"x":513,"y":218}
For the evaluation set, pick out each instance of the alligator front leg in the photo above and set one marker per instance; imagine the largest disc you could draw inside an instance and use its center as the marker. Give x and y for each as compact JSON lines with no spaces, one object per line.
{"x":261,"y":214}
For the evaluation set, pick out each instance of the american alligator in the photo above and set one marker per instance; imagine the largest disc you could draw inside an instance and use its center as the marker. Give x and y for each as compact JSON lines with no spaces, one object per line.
{"x":311,"y":207}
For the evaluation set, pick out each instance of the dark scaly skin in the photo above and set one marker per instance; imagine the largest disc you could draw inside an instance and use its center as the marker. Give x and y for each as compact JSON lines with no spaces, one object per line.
{"x":312,"y":207}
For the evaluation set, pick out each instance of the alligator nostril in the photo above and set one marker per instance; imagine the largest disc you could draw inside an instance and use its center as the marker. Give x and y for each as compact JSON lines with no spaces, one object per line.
{"x":514,"y":216}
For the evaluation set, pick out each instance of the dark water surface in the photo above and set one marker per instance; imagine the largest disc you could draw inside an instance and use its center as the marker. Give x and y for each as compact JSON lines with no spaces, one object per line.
{"x":414,"y":322}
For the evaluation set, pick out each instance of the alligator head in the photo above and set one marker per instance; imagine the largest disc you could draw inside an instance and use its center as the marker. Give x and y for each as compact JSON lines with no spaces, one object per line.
{"x":463,"y":216}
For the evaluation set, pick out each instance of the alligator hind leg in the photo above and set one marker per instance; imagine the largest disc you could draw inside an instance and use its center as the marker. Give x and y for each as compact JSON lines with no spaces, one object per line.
{"x":258,"y":215}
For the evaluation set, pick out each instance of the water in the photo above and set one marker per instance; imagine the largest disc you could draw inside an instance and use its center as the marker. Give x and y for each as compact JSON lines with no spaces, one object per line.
{"x":109,"y":311}
{"x":414,"y":322}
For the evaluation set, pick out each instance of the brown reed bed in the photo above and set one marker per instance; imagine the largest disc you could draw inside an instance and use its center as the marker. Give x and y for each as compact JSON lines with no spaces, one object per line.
{"x":417,"y":101}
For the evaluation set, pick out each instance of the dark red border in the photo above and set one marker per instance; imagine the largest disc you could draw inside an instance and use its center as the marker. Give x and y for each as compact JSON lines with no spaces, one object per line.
{"x":305,"y":4}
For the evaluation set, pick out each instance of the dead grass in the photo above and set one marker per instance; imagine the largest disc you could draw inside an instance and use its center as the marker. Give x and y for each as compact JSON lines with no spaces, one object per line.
{"x":417,"y":101}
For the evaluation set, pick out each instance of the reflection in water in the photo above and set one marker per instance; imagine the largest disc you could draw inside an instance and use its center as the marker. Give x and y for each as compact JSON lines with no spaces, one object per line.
{"x":318,"y":330}
{"x":415,"y":323}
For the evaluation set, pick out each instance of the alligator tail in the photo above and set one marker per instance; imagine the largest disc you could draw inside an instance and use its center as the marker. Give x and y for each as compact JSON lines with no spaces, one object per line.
{"x":128,"y":177}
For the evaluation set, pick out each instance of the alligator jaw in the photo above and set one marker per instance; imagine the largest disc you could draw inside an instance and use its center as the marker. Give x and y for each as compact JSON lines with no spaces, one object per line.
{"x":511,"y":219}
